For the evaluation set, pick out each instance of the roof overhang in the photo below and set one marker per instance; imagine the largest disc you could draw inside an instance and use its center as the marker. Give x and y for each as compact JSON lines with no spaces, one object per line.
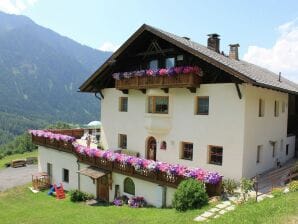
{"x":93,"y":172}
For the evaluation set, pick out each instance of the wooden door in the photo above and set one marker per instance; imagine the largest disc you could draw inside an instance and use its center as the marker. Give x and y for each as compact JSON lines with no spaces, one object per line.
{"x":103,"y":188}
{"x":151,"y":148}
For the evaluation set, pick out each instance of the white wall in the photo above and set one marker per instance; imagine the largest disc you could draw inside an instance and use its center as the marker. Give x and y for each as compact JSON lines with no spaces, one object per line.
{"x":261,"y":130}
{"x":143,"y":188}
{"x":224,"y":126}
{"x":86,"y":183}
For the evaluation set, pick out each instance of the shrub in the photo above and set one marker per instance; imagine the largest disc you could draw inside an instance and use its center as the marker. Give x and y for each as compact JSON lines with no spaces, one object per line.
{"x":229,"y":186}
{"x":246,"y":186}
{"x":76,"y":196}
{"x":277,"y":192}
{"x":293,"y":186}
{"x":190,"y":194}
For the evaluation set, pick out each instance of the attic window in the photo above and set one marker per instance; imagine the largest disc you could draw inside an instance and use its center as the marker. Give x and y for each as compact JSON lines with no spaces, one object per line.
{"x":170,"y":62}
{"x":153,"y":64}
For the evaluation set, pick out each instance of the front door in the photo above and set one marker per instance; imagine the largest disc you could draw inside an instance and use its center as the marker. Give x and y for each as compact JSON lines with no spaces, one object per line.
{"x":151,"y":148}
{"x":103,"y":188}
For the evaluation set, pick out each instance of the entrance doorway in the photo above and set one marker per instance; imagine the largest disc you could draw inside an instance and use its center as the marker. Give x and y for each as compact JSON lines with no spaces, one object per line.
{"x":151,"y":148}
{"x":103,"y":188}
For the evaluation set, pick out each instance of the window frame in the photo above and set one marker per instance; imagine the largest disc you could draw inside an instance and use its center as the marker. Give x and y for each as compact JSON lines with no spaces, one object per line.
{"x":259,"y":152}
{"x":210,"y":147}
{"x":152,"y":108}
{"x":184,"y":152}
{"x":170,"y":58}
{"x":198,"y":98}
{"x":276,"y":108}
{"x":287,"y":149}
{"x":261,"y":107}
{"x":127,"y":190}
{"x":122,"y":108}
{"x":149,"y":64}
{"x":65,"y":178}
{"x":121,"y":139}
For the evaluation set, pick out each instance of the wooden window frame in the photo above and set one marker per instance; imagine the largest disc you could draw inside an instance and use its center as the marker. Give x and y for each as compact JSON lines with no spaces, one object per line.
{"x":121,"y":104}
{"x":65,"y":178}
{"x":120,"y":141}
{"x":261,"y":107}
{"x":183,"y":151}
{"x":152,"y":108}
{"x":210,"y":154}
{"x":131,"y":189}
{"x":198,"y":98}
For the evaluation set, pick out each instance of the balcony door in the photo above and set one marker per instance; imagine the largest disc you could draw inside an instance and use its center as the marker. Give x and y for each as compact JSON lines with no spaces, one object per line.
{"x":151,"y":148}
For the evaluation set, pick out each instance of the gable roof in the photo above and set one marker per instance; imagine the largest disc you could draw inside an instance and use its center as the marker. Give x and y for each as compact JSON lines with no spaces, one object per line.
{"x":243,"y":70}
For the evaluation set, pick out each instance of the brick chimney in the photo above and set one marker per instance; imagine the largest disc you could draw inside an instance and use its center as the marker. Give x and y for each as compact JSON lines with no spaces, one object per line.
{"x":234,"y":51}
{"x":213,"y":42}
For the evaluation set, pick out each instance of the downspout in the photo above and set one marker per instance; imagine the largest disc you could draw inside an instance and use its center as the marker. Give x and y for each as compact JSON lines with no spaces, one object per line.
{"x":79,"y":175}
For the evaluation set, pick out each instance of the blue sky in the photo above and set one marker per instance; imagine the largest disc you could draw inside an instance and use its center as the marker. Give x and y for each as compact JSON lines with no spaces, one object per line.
{"x":257,"y":26}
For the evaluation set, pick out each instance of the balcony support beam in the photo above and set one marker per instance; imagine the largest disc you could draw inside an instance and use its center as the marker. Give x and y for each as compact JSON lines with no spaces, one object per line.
{"x":166,"y":90}
{"x":192,"y":89}
{"x":143,"y":91}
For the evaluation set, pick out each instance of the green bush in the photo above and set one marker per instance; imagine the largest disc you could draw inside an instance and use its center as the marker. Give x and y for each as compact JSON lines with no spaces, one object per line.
{"x":229,"y":186}
{"x":246,"y":186}
{"x":190,"y":194}
{"x":76,"y":196}
{"x":293,"y":186}
{"x":277,"y":192}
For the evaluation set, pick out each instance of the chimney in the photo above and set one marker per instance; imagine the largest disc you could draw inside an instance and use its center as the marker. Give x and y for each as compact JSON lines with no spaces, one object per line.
{"x":213,"y":42}
{"x":234,"y":51}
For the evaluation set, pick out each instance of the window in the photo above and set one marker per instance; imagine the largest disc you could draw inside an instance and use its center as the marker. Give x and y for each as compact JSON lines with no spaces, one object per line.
{"x":122,"y":141}
{"x":261,"y":108}
{"x":153,"y":64}
{"x":123,"y":104}
{"x":202,"y":105}
{"x":276,"y":108}
{"x":186,"y":151}
{"x":163,"y":145}
{"x":283,"y":107}
{"x":65,"y":175}
{"x":215,"y":155}
{"x":170,"y":62}
{"x":273,"y":149}
{"x":259,"y":151}
{"x":287,"y":149}
{"x":129,"y":186}
{"x":50,"y":171}
{"x":158,"y":104}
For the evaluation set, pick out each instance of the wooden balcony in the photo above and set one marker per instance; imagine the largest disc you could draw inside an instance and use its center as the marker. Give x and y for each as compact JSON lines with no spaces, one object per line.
{"x":157,"y":177}
{"x":190,"y":81}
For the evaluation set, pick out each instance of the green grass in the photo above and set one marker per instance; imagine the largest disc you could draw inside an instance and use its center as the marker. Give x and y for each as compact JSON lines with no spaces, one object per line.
{"x":20,"y":205}
{"x":278,"y":210}
{"x":8,"y":159}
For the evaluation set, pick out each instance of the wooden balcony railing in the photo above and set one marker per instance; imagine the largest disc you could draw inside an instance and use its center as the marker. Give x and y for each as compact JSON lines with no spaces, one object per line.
{"x":161,"y":178}
{"x":145,"y":82}
{"x":77,"y":133}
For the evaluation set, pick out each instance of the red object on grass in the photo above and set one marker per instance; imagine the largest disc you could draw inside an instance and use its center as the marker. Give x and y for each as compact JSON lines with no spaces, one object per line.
{"x":59,"y":191}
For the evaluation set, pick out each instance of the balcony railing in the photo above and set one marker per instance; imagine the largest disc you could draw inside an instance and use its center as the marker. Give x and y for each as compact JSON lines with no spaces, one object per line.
{"x":146,"y":82}
{"x":158,"y":177}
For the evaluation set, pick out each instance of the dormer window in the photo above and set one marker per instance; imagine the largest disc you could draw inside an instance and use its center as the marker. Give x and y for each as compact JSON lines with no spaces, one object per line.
{"x":170,"y":62}
{"x":153,"y":64}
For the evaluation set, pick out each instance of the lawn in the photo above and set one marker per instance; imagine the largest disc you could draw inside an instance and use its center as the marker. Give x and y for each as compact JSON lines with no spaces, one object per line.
{"x":8,"y":159}
{"x":19,"y":205}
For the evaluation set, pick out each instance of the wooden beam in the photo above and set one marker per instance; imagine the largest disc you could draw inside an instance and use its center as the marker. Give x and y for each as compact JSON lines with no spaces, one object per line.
{"x":192,"y":89}
{"x":155,"y":52}
{"x":238,"y":90}
{"x":125,"y":91}
{"x":143,"y":91}
{"x":166,"y":90}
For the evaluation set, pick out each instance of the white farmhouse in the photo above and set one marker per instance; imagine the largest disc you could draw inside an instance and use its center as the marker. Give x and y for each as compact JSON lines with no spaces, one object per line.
{"x":170,"y":99}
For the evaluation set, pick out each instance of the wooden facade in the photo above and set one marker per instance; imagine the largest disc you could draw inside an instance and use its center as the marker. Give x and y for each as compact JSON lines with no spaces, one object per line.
{"x":157,"y":177}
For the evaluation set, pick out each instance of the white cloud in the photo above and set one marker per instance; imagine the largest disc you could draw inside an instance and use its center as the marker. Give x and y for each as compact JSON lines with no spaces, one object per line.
{"x":15,"y":6}
{"x":283,"y":56}
{"x":108,"y":46}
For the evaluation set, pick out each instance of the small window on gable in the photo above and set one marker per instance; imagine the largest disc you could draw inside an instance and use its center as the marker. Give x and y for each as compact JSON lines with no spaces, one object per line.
{"x":259,"y":153}
{"x":65,"y":175}
{"x":202,"y":105}
{"x":186,"y":151}
{"x":123,"y":104}
{"x":261,"y":108}
{"x":122,"y":141}
{"x":215,"y":155}
{"x":153,"y":64}
{"x":170,"y":62}
{"x":129,"y":186}
{"x":276,"y":108}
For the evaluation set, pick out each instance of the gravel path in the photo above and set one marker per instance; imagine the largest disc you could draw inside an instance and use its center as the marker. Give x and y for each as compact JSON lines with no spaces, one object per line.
{"x":11,"y":177}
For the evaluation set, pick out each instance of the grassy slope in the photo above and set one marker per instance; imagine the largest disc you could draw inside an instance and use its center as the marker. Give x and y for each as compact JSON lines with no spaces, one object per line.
{"x":19,"y":205}
{"x":8,"y":159}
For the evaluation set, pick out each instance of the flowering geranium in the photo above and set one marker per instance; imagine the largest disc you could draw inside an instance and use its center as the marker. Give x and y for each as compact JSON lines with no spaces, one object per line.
{"x":51,"y":135}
